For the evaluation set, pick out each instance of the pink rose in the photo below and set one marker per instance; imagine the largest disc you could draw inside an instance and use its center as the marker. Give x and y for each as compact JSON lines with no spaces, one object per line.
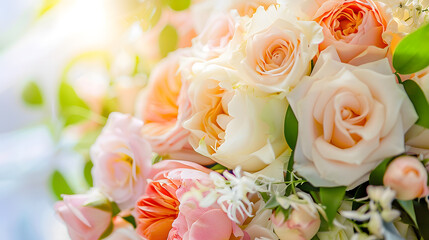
{"x":122,"y":159}
{"x":408,"y":177}
{"x":195,"y":222}
{"x":354,"y":27}
{"x":350,"y":118}
{"x":159,"y":206}
{"x":164,"y":106}
{"x":83,"y":222}
{"x":303,"y":223}
{"x":122,"y":230}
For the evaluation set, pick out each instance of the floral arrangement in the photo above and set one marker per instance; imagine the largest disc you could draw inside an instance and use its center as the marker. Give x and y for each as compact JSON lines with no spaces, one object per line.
{"x":255,"y":119}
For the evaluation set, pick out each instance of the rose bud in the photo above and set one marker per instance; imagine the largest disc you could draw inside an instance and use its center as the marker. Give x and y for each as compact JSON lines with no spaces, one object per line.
{"x":83,"y":221}
{"x":302,"y":224}
{"x":408,"y":177}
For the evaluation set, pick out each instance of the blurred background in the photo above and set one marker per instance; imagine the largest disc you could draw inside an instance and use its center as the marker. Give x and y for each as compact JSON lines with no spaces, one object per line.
{"x":62,"y":62}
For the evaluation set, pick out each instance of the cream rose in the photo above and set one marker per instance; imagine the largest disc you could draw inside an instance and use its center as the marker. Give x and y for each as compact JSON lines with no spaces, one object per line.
{"x":232,"y":124}
{"x":122,"y":160}
{"x":350,"y":118}
{"x":417,"y":138}
{"x":277,"y":49}
{"x":163,"y":106}
{"x":354,"y":27}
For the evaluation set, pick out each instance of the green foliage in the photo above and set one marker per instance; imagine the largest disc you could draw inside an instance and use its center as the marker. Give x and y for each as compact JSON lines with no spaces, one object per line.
{"x":332,"y":198}
{"x":147,"y":13}
{"x":108,"y":231}
{"x":272,"y":202}
{"x":168,"y":40}
{"x":291,"y":128}
{"x":411,"y":54}
{"x":72,"y":107}
{"x":376,"y":176}
{"x":32,"y":95}
{"x":419,"y":101}
{"x":131,"y":220}
{"x":409,"y":209}
{"x":179,"y":5}
{"x":87,"y":173}
{"x":422,"y":217}
{"x":289,"y":174}
{"x":59,"y":185}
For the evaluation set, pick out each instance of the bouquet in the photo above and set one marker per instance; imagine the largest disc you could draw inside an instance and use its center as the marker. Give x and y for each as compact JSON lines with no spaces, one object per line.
{"x":254,"y":119}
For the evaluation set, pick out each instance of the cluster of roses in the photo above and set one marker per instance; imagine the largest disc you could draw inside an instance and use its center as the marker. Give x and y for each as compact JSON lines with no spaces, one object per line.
{"x":224,"y":100}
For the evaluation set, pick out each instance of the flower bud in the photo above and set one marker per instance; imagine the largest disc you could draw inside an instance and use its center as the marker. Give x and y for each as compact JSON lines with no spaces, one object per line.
{"x":302,"y":224}
{"x":408,"y":177}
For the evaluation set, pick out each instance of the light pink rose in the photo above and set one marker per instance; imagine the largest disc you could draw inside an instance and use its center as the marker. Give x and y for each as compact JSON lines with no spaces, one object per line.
{"x":122,"y":159}
{"x":354,"y":27}
{"x":122,"y":230}
{"x":349,"y":119}
{"x":83,"y":223}
{"x":164,"y":106}
{"x":215,"y":37}
{"x":303,"y":223}
{"x":159,"y":206}
{"x":195,"y":222}
{"x":408,"y":177}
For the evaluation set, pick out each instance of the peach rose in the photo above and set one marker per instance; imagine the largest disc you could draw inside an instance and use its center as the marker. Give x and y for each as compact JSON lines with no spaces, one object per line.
{"x":350,"y":118}
{"x":232,"y":124}
{"x":417,"y":138}
{"x":278,"y":49}
{"x":159,"y":206}
{"x":122,"y":159}
{"x":83,"y":222}
{"x":303,"y":223}
{"x":164,"y":106}
{"x":408,"y":177}
{"x":354,"y":27}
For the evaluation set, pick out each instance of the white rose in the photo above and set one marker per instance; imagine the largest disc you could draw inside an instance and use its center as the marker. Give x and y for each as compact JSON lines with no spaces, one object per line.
{"x":349,"y":119}
{"x":232,"y":124}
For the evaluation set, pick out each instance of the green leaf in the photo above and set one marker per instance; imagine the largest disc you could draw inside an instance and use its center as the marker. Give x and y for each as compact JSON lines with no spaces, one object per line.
{"x":332,"y":198}
{"x":422,"y":217}
{"x":156,"y":158}
{"x":131,"y":220}
{"x":87,"y":173}
{"x":376,"y":176}
{"x":409,"y":208}
{"x":360,"y":193}
{"x":218,"y":167}
{"x":419,"y":101}
{"x":59,"y":185}
{"x":272,"y":203}
{"x":168,"y":40}
{"x":291,"y":128}
{"x":108,"y":231}
{"x":411,"y":54}
{"x":147,"y":13}
{"x":179,"y":5}
{"x":115,"y":209}
{"x":289,"y":176}
{"x":32,"y":95}
{"x":72,"y":107}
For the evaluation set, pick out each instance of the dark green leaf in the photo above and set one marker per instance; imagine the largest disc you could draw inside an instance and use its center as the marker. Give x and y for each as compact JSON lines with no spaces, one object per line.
{"x":409,"y":208}
{"x":289,"y":176}
{"x":419,"y":101}
{"x":291,"y":128}
{"x":332,"y":198}
{"x":376,"y":176}
{"x":360,"y":193}
{"x":32,"y":95}
{"x":411,"y":54}
{"x":87,"y":173}
{"x":131,"y":220}
{"x":422,"y":217}
{"x":59,"y":185}
{"x":179,"y":5}
{"x":168,"y":40}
